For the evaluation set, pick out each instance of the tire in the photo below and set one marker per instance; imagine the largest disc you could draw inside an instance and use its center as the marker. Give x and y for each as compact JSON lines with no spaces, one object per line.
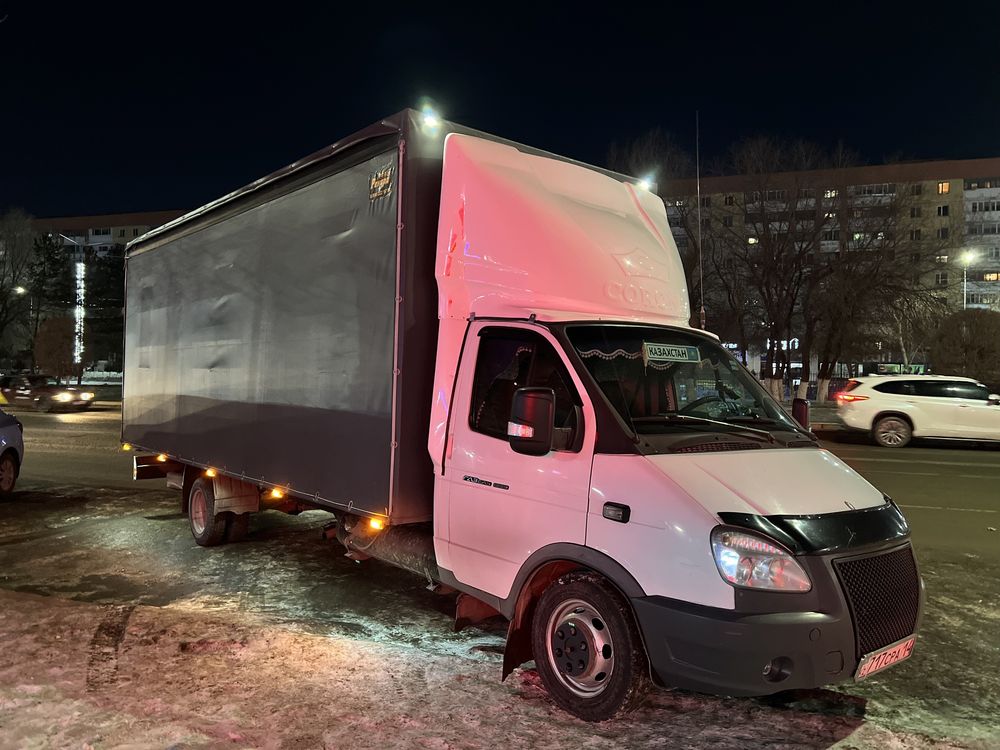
{"x":607,"y":674}
{"x":8,"y":473}
{"x":207,"y":528}
{"x":237,"y":526}
{"x":44,"y":403}
{"x":892,"y":432}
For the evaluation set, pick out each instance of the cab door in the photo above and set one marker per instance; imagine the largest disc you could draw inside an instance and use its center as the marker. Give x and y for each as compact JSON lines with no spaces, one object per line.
{"x":505,"y":505}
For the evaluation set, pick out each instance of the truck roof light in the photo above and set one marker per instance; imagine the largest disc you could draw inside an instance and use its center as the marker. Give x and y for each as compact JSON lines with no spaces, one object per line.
{"x":162,"y":458}
{"x":646,"y":183}
{"x":211,"y":472}
{"x":376,"y":524}
{"x":126,"y":446}
{"x":277,"y":494}
{"x":430,"y":118}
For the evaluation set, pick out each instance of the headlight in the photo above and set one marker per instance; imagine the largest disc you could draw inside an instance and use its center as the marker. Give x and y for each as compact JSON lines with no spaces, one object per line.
{"x":87,"y":395}
{"x":63,"y":397}
{"x":752,"y":562}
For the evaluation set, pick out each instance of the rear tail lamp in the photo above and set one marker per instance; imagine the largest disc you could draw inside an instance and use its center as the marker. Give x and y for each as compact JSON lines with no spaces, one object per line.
{"x":848,"y":398}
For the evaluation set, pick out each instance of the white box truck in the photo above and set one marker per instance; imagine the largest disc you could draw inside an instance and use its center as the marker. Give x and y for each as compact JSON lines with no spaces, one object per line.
{"x":478,"y":357}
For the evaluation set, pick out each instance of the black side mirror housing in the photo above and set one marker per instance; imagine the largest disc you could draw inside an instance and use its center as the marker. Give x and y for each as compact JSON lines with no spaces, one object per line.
{"x":532,"y":417}
{"x":800,"y":412}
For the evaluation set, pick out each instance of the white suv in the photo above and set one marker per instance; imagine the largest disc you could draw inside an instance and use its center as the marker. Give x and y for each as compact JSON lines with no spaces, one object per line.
{"x":895,"y":408}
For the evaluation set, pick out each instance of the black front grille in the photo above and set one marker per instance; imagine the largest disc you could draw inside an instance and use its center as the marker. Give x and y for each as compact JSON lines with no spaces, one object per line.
{"x":883,"y":592}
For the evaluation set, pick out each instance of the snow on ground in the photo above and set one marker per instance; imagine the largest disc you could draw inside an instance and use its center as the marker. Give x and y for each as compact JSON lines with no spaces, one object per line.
{"x":84,"y":675}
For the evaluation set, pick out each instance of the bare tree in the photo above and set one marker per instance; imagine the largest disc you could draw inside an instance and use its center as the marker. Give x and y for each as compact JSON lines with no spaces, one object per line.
{"x":17,"y":235}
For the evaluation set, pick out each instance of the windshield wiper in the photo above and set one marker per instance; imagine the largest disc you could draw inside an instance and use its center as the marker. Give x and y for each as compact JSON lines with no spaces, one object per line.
{"x":704,"y":420}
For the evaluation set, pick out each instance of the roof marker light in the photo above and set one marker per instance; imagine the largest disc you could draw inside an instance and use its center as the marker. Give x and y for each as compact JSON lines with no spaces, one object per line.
{"x":376,"y":524}
{"x":430,"y":118}
{"x":646,"y":183}
{"x":211,"y":472}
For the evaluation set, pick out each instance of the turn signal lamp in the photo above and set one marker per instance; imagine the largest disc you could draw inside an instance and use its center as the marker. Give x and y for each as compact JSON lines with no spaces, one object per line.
{"x":210,"y":472}
{"x":376,"y":524}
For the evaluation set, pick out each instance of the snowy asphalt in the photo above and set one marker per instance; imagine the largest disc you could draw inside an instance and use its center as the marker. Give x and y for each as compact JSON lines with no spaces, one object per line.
{"x":118,"y":631}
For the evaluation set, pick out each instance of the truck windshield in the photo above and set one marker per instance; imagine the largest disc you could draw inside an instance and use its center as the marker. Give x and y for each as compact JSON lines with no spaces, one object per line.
{"x":664,"y":380}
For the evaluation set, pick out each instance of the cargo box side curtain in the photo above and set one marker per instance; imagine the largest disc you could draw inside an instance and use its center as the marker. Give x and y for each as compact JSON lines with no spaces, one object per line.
{"x":262,"y":343}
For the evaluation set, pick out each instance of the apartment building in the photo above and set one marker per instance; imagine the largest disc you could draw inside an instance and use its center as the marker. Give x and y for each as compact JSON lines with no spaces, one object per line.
{"x":950,"y":216}
{"x":103,"y":235}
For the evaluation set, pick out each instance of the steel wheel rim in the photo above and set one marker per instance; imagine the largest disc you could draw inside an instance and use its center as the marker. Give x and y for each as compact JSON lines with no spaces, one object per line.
{"x":892,"y":432}
{"x":7,"y":475}
{"x":199,"y":511}
{"x":572,"y":625}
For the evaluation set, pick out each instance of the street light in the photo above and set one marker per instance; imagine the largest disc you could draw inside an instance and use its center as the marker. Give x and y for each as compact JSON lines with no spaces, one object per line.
{"x":967,"y":257}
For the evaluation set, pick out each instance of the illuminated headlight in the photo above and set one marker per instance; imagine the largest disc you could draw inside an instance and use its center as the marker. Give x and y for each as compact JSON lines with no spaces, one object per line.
{"x":63,"y":397}
{"x":752,"y":562}
{"x":87,"y":396}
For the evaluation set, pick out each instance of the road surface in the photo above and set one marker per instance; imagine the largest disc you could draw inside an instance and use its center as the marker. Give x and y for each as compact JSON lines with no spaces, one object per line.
{"x":119,"y":631}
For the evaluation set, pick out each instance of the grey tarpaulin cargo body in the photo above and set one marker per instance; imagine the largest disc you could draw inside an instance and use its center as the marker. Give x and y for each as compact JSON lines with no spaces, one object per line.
{"x":272,"y":334}
{"x":285,"y":333}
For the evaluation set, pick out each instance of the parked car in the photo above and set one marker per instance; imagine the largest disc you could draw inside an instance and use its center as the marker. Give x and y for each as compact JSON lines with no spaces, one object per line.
{"x":11,"y":452}
{"x":897,"y":408}
{"x":44,"y":393}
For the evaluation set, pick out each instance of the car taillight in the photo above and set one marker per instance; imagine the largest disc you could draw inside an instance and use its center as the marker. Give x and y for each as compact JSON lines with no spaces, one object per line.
{"x":847,"y":398}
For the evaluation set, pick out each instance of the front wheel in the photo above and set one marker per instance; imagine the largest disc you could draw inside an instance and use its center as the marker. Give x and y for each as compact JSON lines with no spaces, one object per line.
{"x":892,"y":432}
{"x":587,"y":648}
{"x":8,"y":474}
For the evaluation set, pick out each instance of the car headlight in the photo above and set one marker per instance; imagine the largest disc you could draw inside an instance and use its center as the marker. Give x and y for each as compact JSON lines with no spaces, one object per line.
{"x":64,"y":396}
{"x":87,"y":396}
{"x":752,"y":562}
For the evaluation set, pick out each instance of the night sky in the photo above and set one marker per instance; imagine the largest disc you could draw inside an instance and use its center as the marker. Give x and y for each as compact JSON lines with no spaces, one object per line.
{"x":107,"y":109}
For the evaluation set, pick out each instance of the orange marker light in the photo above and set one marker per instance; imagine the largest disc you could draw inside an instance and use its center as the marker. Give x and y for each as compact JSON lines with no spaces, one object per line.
{"x":277,"y":494}
{"x":126,"y":446}
{"x":376,"y":524}
{"x":210,"y":472}
{"x":162,"y":458}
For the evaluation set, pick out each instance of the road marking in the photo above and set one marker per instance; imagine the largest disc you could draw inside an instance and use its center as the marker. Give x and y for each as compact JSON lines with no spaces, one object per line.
{"x":939,"y":507}
{"x":930,"y":474}
{"x":917,"y":461}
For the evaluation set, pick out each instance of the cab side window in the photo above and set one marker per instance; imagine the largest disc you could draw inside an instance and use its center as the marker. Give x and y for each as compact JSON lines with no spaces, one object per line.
{"x":512,"y":359}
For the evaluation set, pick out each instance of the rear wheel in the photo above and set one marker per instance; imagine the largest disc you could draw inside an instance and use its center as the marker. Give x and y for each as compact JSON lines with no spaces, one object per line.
{"x":44,"y":403}
{"x":892,"y":432}
{"x":587,"y":648}
{"x":207,"y":528}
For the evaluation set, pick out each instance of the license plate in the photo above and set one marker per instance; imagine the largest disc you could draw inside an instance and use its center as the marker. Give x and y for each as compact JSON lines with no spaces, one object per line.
{"x":884,"y":658}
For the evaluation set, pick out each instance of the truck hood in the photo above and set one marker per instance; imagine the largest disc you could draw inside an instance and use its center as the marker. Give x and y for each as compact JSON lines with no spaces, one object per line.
{"x":769,"y":482}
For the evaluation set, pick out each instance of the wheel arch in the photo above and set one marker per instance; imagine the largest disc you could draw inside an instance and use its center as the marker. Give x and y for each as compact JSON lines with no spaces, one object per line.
{"x":893,"y":413}
{"x":536,"y":574}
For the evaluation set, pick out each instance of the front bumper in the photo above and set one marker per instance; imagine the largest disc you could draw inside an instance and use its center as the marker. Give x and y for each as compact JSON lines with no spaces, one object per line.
{"x":757,"y":649}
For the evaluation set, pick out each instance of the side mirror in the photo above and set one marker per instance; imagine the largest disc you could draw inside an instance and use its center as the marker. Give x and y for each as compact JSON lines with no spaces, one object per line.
{"x":532,"y":416}
{"x":800,"y":412}
{"x":994,"y":399}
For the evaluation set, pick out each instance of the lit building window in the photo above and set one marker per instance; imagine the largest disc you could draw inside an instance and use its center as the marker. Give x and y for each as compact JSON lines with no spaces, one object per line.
{"x":944,"y":188}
